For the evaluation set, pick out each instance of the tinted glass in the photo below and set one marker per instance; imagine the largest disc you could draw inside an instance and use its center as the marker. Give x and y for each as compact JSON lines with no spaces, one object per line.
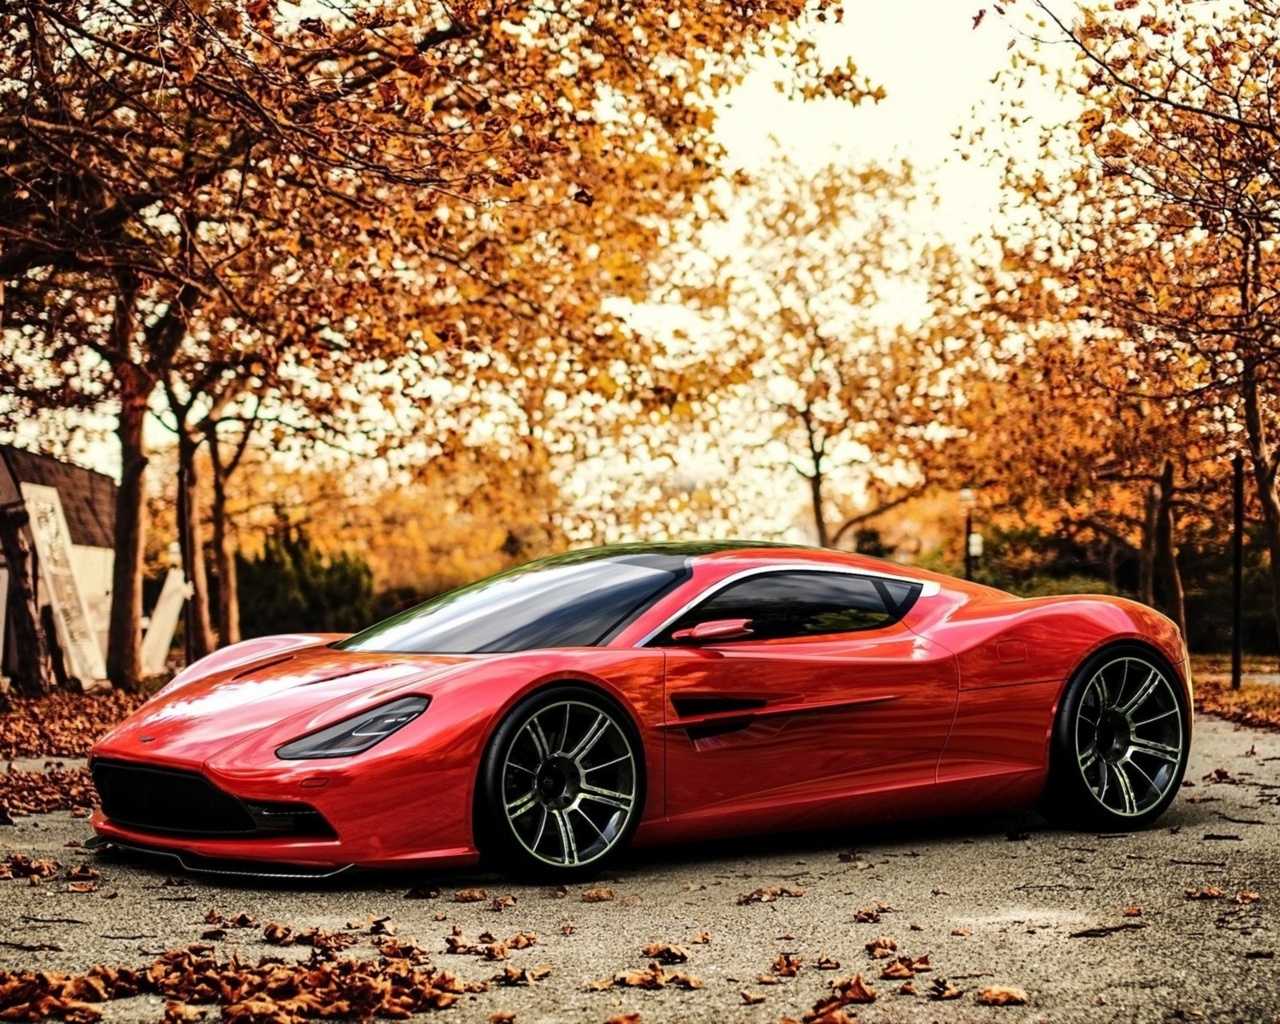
{"x":799,"y":604}
{"x":561,"y":602}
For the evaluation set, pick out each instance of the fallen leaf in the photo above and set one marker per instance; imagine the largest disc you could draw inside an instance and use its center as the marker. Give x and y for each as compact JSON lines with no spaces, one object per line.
{"x":854,"y":990}
{"x":277,"y":934}
{"x":773,"y":892}
{"x":787,"y":965}
{"x":882,"y":947}
{"x":653,"y":978}
{"x":470,"y":896}
{"x":1132,"y":911}
{"x":702,"y":938}
{"x":1210,"y":892}
{"x":961,"y":932}
{"x":825,"y":963}
{"x":1000,"y":995}
{"x":942,"y":989}
{"x":600,"y":895}
{"x":426,"y":892}
{"x":511,"y":976}
{"x":751,"y":998}
{"x":665,"y":953}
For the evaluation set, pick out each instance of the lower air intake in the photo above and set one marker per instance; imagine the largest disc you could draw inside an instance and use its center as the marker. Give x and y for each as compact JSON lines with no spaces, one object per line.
{"x":172,"y":802}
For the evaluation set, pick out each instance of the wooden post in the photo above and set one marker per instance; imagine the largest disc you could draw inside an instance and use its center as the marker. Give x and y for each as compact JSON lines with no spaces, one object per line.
{"x":33,"y":672}
{"x":1237,"y":571}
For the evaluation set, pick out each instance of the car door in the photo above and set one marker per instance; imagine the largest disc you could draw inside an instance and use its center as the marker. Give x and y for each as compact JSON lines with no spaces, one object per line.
{"x":829,"y":696}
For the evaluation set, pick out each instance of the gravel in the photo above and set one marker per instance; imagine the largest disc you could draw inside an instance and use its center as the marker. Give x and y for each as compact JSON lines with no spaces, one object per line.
{"x":997,"y":900}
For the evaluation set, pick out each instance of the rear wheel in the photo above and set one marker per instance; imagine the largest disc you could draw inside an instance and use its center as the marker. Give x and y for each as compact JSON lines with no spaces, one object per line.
{"x":1120,"y":742}
{"x":562,"y":785}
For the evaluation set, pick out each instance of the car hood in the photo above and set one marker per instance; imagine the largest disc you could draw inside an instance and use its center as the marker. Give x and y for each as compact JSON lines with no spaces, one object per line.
{"x":203,"y":713}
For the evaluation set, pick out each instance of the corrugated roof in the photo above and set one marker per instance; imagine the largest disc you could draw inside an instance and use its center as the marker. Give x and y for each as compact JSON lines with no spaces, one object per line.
{"x":88,"y":497}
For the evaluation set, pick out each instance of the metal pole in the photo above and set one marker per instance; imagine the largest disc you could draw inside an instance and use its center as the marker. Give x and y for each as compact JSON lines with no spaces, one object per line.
{"x":968,"y":551}
{"x":1237,"y":571}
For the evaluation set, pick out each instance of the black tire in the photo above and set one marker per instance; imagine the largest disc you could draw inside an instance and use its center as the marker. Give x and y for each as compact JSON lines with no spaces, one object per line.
{"x":1120,"y":741}
{"x":561,"y":787}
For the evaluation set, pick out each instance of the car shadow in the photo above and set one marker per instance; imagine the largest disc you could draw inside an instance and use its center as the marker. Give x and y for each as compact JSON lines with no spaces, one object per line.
{"x":850,"y":843}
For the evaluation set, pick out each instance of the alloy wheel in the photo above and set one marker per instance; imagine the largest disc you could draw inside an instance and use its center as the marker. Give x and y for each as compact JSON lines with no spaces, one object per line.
{"x":569,"y":783}
{"x":1130,"y":737}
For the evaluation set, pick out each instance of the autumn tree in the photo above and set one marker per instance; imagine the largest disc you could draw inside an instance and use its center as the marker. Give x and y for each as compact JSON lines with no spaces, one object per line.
{"x":1057,"y":429}
{"x":177,"y":173}
{"x":1167,"y":221}
{"x":836,"y":335}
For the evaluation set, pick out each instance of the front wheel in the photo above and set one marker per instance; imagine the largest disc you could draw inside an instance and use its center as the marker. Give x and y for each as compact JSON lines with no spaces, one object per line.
{"x":561,"y":786}
{"x":1120,"y":742}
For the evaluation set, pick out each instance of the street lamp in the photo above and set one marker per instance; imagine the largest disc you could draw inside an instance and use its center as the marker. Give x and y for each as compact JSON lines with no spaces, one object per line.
{"x":972,"y":541}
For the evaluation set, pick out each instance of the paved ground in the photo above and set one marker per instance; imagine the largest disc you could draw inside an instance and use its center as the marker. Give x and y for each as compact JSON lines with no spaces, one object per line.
{"x":992,"y":901}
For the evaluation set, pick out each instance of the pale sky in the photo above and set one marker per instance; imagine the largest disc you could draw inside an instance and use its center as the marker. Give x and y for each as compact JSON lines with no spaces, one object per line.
{"x":934,"y":67}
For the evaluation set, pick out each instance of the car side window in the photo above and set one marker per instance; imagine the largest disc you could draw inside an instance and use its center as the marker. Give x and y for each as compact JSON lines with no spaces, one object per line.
{"x":801,"y":604}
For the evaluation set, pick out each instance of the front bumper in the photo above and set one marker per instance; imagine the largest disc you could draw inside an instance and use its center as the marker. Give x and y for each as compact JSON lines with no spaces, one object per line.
{"x":368,"y":812}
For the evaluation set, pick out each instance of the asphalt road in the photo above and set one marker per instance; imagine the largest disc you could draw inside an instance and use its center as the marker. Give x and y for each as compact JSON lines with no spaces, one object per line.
{"x":994,"y":901}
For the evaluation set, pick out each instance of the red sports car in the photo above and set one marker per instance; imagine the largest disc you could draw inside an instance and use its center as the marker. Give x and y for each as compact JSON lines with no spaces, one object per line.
{"x":548,"y":716}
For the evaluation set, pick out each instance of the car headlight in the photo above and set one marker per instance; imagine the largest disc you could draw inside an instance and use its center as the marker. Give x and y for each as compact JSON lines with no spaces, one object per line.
{"x":356,"y":734}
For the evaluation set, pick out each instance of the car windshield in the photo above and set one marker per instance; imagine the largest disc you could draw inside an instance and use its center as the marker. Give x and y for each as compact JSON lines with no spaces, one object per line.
{"x":578,"y":600}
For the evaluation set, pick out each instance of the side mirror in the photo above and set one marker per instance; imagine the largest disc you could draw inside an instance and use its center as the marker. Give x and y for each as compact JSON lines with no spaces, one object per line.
{"x":716,"y":629}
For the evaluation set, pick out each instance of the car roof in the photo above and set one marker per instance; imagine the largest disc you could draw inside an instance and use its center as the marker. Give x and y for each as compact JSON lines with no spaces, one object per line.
{"x":754,"y":552}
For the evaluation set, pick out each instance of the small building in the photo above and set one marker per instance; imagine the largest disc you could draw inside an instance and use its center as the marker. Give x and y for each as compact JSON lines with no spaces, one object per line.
{"x":86,"y":553}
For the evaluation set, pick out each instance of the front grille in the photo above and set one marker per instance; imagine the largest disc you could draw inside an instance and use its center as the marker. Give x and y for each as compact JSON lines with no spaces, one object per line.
{"x":181,"y":803}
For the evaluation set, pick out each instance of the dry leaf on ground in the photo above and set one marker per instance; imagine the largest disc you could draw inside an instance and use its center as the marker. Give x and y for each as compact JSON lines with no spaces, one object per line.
{"x":882,"y":947}
{"x":773,"y":892}
{"x":1001,"y":995}
{"x":787,"y":965}
{"x":665,"y":953}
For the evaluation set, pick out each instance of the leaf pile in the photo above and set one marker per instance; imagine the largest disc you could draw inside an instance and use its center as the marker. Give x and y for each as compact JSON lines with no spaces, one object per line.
{"x":488,"y":947}
{"x":57,"y":789}
{"x":42,"y":995}
{"x":19,"y":865}
{"x":1255,"y":704}
{"x":61,"y":724}
{"x":653,"y":978}
{"x":272,"y":992}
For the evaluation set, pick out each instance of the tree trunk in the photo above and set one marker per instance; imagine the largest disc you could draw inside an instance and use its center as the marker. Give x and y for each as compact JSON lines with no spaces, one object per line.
{"x":198,"y":623}
{"x":817,"y":453}
{"x":1166,"y":552}
{"x":124,"y":636}
{"x":1265,"y":460}
{"x":819,"y":520}
{"x":33,"y":666}
{"x":225,"y":563}
{"x":1147,"y":551}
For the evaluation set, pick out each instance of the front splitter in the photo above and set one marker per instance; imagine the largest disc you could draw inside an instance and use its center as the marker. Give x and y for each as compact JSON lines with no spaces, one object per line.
{"x":199,"y":865}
